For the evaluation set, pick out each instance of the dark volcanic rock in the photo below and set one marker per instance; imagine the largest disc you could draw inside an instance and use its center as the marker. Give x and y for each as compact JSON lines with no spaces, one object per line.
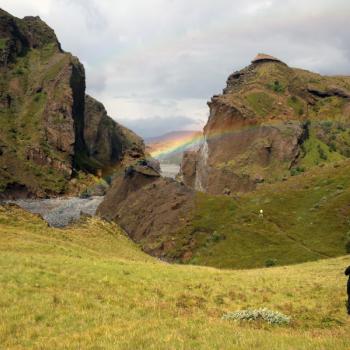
{"x":108,"y":142}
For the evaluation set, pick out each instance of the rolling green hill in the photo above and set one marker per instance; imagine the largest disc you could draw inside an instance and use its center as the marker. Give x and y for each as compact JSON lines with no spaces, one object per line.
{"x":90,"y":287}
{"x":306,"y":217}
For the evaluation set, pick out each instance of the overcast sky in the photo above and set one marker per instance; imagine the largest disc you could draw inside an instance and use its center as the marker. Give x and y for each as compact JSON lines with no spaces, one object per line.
{"x":155,"y":63}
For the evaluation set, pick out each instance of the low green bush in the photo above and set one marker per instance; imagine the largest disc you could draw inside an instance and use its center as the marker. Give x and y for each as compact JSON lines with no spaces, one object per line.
{"x":276,"y":86}
{"x":270,"y":262}
{"x":296,"y":171}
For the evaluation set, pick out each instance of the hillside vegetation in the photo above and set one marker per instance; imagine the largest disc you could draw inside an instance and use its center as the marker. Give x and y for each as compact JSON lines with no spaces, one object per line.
{"x":270,"y":122}
{"x":89,"y":287}
{"x":305,"y":218}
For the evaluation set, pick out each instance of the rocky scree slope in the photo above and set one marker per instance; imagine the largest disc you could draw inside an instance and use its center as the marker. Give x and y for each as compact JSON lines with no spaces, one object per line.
{"x":271,"y":122}
{"x":49,"y":128}
{"x":150,"y":208}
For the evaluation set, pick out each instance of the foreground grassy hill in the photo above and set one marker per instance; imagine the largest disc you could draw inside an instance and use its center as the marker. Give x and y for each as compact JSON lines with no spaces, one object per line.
{"x":89,"y":287}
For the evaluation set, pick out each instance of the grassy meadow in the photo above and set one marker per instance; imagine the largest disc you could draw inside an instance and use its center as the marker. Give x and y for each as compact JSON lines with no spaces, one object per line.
{"x":90,"y":287}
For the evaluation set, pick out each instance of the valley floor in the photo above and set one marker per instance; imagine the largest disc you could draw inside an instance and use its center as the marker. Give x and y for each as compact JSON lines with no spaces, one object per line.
{"x":89,"y":287}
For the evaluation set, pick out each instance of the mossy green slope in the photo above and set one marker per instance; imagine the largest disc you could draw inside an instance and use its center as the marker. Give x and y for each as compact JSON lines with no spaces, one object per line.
{"x":305,"y":218}
{"x":23,"y":122}
{"x":270,"y":122}
{"x":89,"y":287}
{"x":41,"y":96}
{"x":273,"y":92}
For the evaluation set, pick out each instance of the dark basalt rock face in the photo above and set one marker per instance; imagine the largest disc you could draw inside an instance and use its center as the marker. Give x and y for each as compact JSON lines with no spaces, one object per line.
{"x":49,"y":128}
{"x":271,"y":122}
{"x":107,"y":141}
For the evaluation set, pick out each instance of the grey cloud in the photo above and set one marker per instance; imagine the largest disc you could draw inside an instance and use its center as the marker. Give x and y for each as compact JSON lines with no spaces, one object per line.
{"x":95,"y":80}
{"x":167,"y":50}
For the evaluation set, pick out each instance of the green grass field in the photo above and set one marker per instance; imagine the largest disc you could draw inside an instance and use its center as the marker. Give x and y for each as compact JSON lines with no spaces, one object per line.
{"x":90,"y":287}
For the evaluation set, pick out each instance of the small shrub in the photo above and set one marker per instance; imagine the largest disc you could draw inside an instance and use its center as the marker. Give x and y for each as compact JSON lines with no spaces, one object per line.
{"x":293,"y":172}
{"x":270,"y":262}
{"x":322,"y":153}
{"x":269,"y":316}
{"x":332,"y":147}
{"x":19,"y":71}
{"x":341,"y":127}
{"x":326,"y":124}
{"x":85,"y":194}
{"x":296,"y":171}
{"x":216,"y":237}
{"x":109,"y":179}
{"x":277,"y":87}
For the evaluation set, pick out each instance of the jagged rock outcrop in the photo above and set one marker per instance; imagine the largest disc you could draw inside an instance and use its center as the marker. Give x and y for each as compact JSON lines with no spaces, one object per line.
{"x":49,"y":128}
{"x":19,"y":36}
{"x":150,"y":208}
{"x":271,"y":122}
{"x":188,"y":168}
{"x":108,"y":142}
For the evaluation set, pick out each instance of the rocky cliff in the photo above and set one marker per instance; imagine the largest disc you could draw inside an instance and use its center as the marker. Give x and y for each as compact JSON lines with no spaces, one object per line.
{"x":107,"y":142}
{"x":270,"y":122}
{"x":49,"y":128}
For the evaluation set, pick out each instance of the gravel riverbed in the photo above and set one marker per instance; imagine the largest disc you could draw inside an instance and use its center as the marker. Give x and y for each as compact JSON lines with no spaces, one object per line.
{"x":60,"y":212}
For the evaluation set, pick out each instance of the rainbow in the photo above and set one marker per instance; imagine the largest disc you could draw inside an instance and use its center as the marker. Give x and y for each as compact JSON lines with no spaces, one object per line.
{"x":176,"y":145}
{"x":180,"y":144}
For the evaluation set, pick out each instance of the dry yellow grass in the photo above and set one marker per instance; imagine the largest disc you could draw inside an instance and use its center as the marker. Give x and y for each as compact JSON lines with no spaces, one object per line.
{"x":89,"y":287}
